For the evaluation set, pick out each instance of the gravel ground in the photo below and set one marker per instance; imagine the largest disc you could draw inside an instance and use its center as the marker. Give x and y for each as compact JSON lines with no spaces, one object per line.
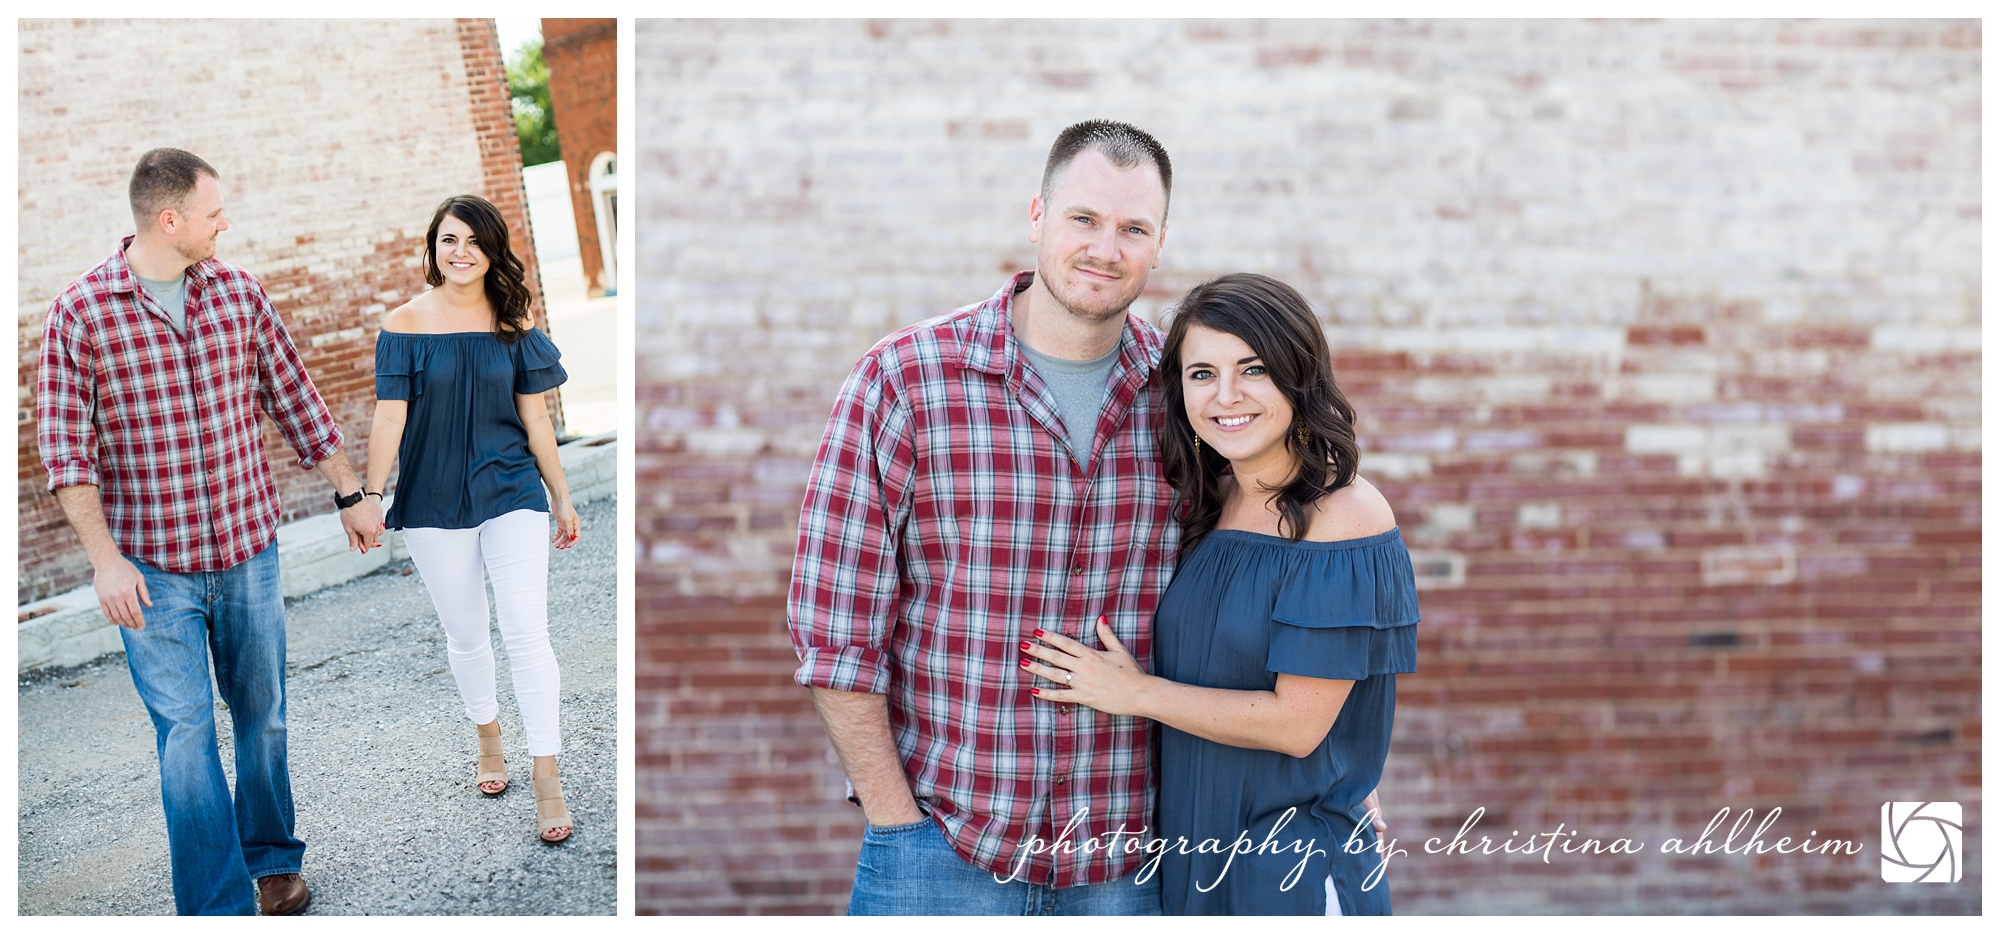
{"x":382,"y":760}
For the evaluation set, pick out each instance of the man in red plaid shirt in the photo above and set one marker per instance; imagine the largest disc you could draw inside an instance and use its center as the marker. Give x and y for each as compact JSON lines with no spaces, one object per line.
{"x":154,"y":366}
{"x":985,"y":475}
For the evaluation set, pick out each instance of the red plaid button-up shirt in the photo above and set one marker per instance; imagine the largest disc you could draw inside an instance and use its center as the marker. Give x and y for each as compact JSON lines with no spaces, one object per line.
{"x":165,"y":424}
{"x":944,"y":522}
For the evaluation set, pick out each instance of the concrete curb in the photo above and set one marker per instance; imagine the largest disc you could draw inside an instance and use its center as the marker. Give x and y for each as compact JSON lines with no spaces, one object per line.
{"x":70,"y":629}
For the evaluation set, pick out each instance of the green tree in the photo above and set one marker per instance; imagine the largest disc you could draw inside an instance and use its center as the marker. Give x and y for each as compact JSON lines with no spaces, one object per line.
{"x":534,"y":119}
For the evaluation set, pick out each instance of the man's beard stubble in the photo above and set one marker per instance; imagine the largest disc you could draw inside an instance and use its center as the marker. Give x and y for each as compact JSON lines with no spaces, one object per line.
{"x":205,"y":251}
{"x":1094,"y":316}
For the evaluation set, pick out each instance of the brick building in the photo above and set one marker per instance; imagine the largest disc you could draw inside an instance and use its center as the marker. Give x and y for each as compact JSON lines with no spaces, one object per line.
{"x":1664,"y":338}
{"x":335,"y":140}
{"x":582,"y":55}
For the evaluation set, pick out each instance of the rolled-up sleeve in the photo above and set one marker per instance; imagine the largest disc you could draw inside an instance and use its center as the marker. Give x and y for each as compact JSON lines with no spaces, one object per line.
{"x":285,"y":391}
{"x":842,"y":607}
{"x":65,"y":400}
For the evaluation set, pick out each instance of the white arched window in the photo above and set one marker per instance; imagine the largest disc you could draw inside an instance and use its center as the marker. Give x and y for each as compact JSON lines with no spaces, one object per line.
{"x":604,"y":204}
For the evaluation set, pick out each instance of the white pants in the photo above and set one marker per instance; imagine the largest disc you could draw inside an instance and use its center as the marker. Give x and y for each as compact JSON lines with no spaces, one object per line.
{"x":513,"y":551}
{"x":1332,"y":900}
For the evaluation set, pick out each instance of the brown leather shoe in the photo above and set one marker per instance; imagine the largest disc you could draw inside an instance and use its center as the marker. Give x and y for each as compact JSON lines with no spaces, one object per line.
{"x":283,"y":894}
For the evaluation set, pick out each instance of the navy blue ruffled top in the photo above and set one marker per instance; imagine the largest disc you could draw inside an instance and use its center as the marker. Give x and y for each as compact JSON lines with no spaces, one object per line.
{"x":1244,"y":607}
{"x":464,"y":455}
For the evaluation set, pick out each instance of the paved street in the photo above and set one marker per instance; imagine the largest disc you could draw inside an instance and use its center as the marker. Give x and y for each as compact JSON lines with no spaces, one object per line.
{"x":381,"y":760}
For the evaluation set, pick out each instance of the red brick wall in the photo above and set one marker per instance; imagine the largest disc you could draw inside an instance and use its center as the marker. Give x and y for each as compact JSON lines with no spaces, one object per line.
{"x":1665,"y":336}
{"x":582,"y":55}
{"x":331,"y":164}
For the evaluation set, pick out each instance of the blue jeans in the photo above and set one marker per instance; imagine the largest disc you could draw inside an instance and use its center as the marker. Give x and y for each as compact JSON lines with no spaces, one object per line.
{"x":218,"y":846}
{"x":909,"y":869}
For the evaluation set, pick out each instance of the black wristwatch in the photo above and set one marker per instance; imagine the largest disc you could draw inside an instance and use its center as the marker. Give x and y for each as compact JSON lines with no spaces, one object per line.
{"x":348,"y":500}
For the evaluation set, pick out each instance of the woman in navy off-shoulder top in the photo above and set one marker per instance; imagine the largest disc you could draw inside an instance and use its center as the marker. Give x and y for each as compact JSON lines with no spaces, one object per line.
{"x":1277,"y":646}
{"x":459,"y":376}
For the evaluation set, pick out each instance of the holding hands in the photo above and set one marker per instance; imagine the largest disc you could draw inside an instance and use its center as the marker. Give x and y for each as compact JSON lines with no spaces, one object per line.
{"x":363,"y":524}
{"x":1109,"y":680}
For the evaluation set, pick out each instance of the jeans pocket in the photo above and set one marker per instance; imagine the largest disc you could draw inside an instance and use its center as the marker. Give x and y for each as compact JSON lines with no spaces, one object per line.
{"x":885,"y":834}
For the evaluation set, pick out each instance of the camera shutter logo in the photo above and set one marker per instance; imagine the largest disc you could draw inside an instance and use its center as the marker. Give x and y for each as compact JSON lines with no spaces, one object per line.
{"x":1922,"y":841}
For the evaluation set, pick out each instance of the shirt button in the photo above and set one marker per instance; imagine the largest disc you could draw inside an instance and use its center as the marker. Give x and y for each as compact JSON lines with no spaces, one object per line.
{"x":1078,"y":570}
{"x":1062,"y":780}
{"x":1062,"y":709}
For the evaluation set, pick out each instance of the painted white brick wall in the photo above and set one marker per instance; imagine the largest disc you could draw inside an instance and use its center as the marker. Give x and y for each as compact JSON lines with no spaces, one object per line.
{"x":1636,"y":315}
{"x":300,"y":149}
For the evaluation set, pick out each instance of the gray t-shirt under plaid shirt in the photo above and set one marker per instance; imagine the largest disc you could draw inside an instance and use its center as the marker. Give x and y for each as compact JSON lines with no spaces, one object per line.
{"x":172,"y":296}
{"x":1079,"y":388}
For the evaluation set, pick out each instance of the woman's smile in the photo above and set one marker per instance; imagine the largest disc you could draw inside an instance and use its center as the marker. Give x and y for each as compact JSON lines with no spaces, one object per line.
{"x":1232,"y":422}
{"x":458,"y":251}
{"x":1221,"y":378}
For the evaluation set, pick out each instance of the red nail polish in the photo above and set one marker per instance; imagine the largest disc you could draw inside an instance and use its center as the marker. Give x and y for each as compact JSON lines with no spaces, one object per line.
{"x":1025,"y":646}
{"x":1039,"y":633}
{"x":1035,"y":691}
{"x":1025,"y":663}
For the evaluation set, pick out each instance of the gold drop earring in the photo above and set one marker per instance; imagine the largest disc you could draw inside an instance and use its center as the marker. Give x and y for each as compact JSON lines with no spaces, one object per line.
{"x":1305,"y":437}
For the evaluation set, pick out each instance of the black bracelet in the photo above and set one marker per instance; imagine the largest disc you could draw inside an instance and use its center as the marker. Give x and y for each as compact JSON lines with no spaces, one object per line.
{"x":345,"y":501}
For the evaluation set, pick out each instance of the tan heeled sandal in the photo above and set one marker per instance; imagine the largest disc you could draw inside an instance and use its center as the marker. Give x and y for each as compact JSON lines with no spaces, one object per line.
{"x":551,"y":811}
{"x":492,"y":765}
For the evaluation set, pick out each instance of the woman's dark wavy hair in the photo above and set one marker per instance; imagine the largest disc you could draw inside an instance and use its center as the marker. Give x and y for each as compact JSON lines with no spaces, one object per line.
{"x":1279,"y":326}
{"x":506,"y":278}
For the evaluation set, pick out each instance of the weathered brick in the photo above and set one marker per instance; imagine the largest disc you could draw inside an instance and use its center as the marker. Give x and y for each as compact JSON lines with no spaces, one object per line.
{"x":1685,"y":443}
{"x":582,"y":55}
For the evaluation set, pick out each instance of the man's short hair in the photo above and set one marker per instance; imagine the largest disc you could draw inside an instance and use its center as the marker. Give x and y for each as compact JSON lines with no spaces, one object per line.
{"x":1125,"y":145}
{"x":163,"y":178}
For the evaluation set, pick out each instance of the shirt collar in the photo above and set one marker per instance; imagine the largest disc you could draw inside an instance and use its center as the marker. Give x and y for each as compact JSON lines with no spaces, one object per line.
{"x":123,"y":279}
{"x":991,"y":346}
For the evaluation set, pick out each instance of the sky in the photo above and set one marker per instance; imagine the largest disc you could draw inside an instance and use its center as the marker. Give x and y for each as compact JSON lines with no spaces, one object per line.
{"x":516,"y":30}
